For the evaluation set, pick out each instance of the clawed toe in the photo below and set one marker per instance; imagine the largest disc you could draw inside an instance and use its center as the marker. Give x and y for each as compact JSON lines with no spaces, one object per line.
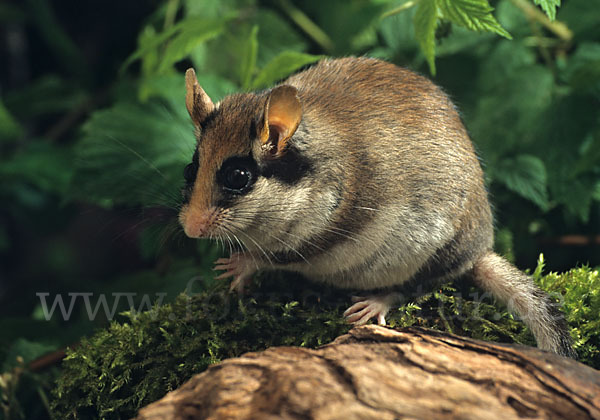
{"x":225,"y":275}
{"x":367,"y":308}
{"x":356,"y":307}
{"x":361,"y":317}
{"x":238,"y":267}
{"x":239,"y":285}
{"x":229,"y":267}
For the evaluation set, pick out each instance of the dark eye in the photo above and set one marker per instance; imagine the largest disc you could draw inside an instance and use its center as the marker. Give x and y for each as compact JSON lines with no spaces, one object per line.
{"x":237,"y":178}
{"x":237,"y":174}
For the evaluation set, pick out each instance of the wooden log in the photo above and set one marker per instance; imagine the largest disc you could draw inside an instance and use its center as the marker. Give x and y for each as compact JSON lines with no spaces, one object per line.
{"x":378,"y":373}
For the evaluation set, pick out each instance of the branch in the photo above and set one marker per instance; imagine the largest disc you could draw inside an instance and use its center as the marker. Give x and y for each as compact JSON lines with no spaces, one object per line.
{"x":533,"y":13}
{"x":380,"y":373}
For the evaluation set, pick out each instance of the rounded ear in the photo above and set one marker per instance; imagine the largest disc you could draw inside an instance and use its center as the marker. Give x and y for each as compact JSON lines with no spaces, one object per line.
{"x":282,"y":115}
{"x":198,"y":104}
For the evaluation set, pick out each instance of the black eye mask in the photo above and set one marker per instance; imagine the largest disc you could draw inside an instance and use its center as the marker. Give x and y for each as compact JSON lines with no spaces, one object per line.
{"x":189,"y":174}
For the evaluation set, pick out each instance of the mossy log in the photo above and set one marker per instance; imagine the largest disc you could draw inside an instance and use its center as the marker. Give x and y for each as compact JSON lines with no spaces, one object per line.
{"x":378,"y":373}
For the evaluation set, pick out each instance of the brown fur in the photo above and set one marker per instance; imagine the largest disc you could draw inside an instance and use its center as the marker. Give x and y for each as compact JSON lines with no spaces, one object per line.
{"x":376,"y":184}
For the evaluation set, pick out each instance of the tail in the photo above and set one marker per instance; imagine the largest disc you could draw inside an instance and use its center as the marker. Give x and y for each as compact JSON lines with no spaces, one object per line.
{"x":494,"y":274}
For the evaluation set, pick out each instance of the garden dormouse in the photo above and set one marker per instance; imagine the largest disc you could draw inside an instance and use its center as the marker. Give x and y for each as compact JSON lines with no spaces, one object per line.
{"x":356,"y":173}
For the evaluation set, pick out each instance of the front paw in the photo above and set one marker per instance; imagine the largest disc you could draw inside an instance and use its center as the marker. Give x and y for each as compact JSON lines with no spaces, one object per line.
{"x":240,"y":267}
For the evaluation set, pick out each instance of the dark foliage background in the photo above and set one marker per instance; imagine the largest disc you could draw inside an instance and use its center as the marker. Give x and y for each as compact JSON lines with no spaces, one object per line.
{"x":94,"y":134}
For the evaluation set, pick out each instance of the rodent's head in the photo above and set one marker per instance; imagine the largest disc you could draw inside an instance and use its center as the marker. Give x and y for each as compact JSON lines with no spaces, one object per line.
{"x":239,"y":166}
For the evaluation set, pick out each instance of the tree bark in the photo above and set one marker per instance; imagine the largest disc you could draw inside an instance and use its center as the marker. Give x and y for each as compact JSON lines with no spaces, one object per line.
{"x":378,"y":373}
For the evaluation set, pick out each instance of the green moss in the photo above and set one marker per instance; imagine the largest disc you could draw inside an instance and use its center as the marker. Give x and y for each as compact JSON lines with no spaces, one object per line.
{"x":132,"y":363}
{"x":579,"y":292}
{"x":122,"y":368}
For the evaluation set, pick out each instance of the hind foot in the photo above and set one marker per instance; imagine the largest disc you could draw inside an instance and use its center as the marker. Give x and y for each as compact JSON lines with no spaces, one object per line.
{"x":366,"y":308}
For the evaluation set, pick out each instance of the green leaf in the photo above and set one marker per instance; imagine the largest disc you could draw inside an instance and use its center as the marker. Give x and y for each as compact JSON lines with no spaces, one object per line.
{"x":49,"y":94}
{"x":133,"y":154}
{"x":511,"y":105}
{"x":150,"y":60}
{"x":216,"y":86}
{"x":192,"y":34}
{"x":171,"y":88}
{"x":207,"y":8}
{"x":512,"y":18}
{"x":248,"y":62}
{"x":579,"y":199}
{"x":576,"y":195}
{"x":589,"y":157}
{"x":548,"y":6}
{"x":282,"y":66}
{"x":583,"y":68}
{"x":425,"y":22}
{"x":277,"y":35}
{"x":582,"y":17}
{"x":9,"y":127}
{"x":397,"y":31}
{"x":472,"y":14}
{"x":596,"y":192}
{"x":525,"y":175}
{"x":28,"y":350}
{"x":47,"y":167}
{"x":462,"y":40}
{"x":340,"y":26}
{"x":151,"y":41}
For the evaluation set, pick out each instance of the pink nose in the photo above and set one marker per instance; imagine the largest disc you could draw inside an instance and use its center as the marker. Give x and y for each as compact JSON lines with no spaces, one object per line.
{"x":197,"y":224}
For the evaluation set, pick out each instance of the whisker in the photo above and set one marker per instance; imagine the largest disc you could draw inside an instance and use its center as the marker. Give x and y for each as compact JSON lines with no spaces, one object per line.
{"x":289,"y":246}
{"x":142,"y":158}
{"x":334,"y":230}
{"x":168,"y":232}
{"x":240,"y":242}
{"x":250,"y":253}
{"x":230,"y":243}
{"x":304,"y":240}
{"x":258,"y":246}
